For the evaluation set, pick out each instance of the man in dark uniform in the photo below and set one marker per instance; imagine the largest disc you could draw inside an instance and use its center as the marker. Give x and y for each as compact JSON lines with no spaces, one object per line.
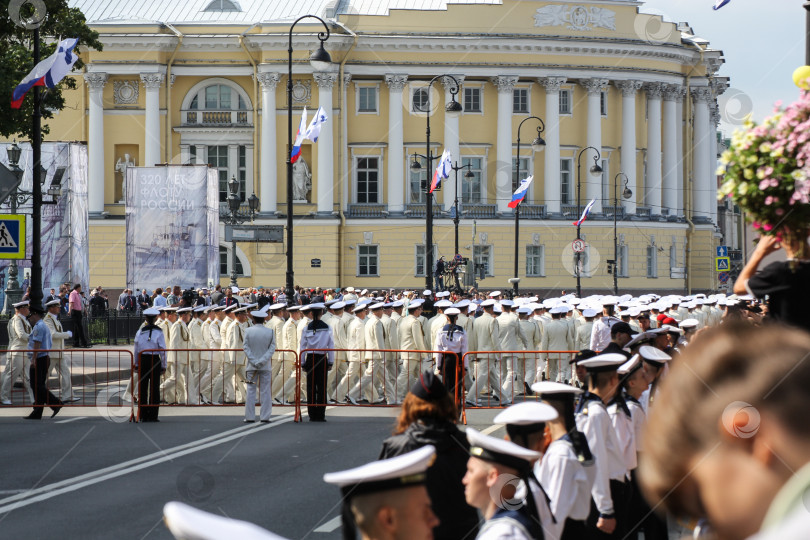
{"x":620,"y":335}
{"x":318,"y":336}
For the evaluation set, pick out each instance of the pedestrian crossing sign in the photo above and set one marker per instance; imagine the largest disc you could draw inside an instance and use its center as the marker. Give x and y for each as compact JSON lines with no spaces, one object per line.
{"x":722,"y":264}
{"x":12,"y":236}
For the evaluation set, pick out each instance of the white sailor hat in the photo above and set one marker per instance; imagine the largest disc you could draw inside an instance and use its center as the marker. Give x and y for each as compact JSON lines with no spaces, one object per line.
{"x":689,"y":323}
{"x":183,"y":310}
{"x":232,"y":307}
{"x":558,"y":309}
{"x":443,"y":294}
{"x":528,"y":413}
{"x":398,"y":303}
{"x":350,"y":302}
{"x":293,"y":308}
{"x":337,"y":306}
{"x":643,"y":337}
{"x":507,"y":302}
{"x":378,"y":305}
{"x":217,"y":308}
{"x":524,"y":309}
{"x":498,"y":308}
{"x":488,"y":302}
{"x":631,"y":366}
{"x":603,"y":362}
{"x":386,"y":474}
{"x":472,"y":308}
{"x":235,"y":290}
{"x":170,"y":308}
{"x":349,"y":289}
{"x":441,"y":304}
{"x":242,"y":309}
{"x":55,"y":302}
{"x":185,"y":521}
{"x":493,"y":294}
{"x":359,"y":307}
{"x":653,"y":355}
{"x":500,"y":451}
{"x":24,"y":303}
{"x":151,"y":312}
{"x":416,"y":303}
{"x":426,"y":292}
{"x":672,"y":329}
{"x":624,"y":313}
{"x":200,"y":309}
{"x":452,"y":311}
{"x":260,"y":314}
{"x":364,"y":291}
{"x":277,"y":306}
{"x":589,"y":312}
{"x":462,"y":303}
{"x":549,"y":389}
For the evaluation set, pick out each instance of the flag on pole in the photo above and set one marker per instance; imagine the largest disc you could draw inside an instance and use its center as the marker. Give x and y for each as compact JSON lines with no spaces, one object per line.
{"x":442,"y":170}
{"x":299,"y":137}
{"x":48,"y":72}
{"x":314,"y":129}
{"x":520,"y":192}
{"x":720,"y":3}
{"x":585,"y":213}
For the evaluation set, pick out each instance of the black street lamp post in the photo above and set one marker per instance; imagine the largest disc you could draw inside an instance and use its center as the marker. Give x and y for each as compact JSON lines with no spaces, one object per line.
{"x":538,"y":145}
{"x":320,"y":61}
{"x":627,"y":193}
{"x":595,"y":170}
{"x":235,"y":218}
{"x":457,"y":217}
{"x":453,"y":109}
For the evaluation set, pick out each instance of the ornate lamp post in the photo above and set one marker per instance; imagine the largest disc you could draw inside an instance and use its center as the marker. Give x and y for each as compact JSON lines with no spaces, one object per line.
{"x":538,"y":145}
{"x":320,"y":61}
{"x":595,"y":170}
{"x":235,"y":218}
{"x":456,"y":217}
{"x":453,"y":109}
{"x":627,"y":193}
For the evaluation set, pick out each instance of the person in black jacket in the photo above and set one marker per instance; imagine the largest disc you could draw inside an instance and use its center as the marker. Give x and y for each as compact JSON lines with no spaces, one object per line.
{"x":429,"y":416}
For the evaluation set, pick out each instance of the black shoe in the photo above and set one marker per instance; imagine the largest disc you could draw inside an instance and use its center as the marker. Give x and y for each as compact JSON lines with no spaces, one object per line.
{"x":528,"y":389}
{"x":265,"y":421}
{"x":32,"y":416}
{"x":249,"y":421}
{"x":56,"y":410}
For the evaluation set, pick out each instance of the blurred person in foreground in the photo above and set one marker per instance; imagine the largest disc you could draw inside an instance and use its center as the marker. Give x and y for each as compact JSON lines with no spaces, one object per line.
{"x":428,"y":417}
{"x":728,"y":439}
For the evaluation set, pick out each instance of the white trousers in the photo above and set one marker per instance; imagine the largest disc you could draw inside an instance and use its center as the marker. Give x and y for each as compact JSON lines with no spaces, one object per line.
{"x":261,"y":378}
{"x":409,"y":372}
{"x":486,"y":371}
{"x":16,"y":365}
{"x":62,"y":368}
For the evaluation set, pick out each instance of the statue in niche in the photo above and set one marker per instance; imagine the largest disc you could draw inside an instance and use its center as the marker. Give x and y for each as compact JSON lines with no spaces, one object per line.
{"x":302,"y":181}
{"x":121,"y":166}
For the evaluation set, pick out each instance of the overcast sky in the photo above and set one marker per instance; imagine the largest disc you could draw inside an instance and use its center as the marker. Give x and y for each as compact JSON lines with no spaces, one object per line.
{"x":762,"y":41}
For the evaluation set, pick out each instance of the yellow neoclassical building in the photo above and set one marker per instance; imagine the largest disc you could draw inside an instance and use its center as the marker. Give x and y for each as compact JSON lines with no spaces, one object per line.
{"x":204,"y":81}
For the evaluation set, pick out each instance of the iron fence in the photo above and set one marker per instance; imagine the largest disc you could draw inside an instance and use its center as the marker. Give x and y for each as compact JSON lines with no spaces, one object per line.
{"x":112,"y":327}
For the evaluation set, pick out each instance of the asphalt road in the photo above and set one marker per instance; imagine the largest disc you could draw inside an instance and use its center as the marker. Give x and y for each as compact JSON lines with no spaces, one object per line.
{"x":86,"y":474}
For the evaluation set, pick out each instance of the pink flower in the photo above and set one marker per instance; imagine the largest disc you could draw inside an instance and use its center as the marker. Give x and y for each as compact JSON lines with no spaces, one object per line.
{"x":768,"y":200}
{"x":767,"y":227}
{"x":774,"y":182}
{"x":780,"y":212}
{"x":764,"y":184}
{"x":756,"y":224}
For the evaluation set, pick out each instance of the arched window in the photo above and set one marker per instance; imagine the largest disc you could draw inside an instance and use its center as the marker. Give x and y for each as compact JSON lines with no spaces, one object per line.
{"x":222,"y":5}
{"x":218,"y":97}
{"x":421,"y":100}
{"x":224,"y":262}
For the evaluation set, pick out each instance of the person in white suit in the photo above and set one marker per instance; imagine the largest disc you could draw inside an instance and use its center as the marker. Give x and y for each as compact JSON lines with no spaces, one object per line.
{"x":59,"y":361}
{"x":17,"y":363}
{"x":259,"y":347}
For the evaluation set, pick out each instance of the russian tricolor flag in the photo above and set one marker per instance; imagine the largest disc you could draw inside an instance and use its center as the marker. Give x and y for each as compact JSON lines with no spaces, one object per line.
{"x":585,"y":213}
{"x":299,"y":138}
{"x":48,"y":72}
{"x":442,"y":170}
{"x":520,"y":192}
{"x":720,"y":3}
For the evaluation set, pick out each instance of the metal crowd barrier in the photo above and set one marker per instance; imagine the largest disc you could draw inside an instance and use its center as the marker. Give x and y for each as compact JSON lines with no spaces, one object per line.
{"x":211,"y":377}
{"x":78,"y":377}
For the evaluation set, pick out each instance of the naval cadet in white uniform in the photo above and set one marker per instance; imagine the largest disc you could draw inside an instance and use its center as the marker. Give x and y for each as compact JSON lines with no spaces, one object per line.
{"x":259,"y":347}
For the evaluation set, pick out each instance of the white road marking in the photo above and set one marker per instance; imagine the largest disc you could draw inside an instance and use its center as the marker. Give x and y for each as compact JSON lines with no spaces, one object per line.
{"x":491,"y":429}
{"x":11,"y":491}
{"x":43,"y":493}
{"x":329,"y":526}
{"x":66,"y":420}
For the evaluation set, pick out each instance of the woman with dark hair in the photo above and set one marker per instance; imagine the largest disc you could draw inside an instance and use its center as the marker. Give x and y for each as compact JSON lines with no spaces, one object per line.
{"x":429,"y":416}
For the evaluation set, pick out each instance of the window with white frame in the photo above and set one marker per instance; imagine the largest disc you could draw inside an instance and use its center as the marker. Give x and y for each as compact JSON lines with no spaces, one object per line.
{"x":603,"y":102}
{"x":224,"y":263}
{"x":368,"y":263}
{"x":566,"y":186}
{"x":482,"y":255}
{"x":622,"y":263}
{"x":420,"y":100}
{"x":366,"y":99}
{"x":525,"y":170}
{"x":242,"y":171}
{"x":520,"y":101}
{"x":417,"y":182}
{"x":535,"y":261}
{"x":192,"y":155}
{"x":673,"y":256}
{"x":471,"y":188}
{"x":218,"y":159}
{"x":652,"y":262}
{"x":419,"y":259}
{"x":472,"y":99}
{"x":367,"y":174}
{"x":566,"y":103}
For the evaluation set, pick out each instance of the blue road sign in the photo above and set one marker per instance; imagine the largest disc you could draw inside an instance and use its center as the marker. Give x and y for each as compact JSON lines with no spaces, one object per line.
{"x":722,"y":264}
{"x":722,"y":251}
{"x":12,"y":236}
{"x":722,"y":277}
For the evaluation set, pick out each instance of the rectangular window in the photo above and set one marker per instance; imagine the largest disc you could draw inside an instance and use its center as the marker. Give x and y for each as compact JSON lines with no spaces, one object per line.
{"x":419,"y":270}
{"x":417,"y":182}
{"x":218,"y":159}
{"x":520,"y":100}
{"x":603,"y":102}
{"x":192,"y":155}
{"x":652,"y":262}
{"x":673,"y":256}
{"x":471,"y":187}
{"x":524,"y":171}
{"x":623,"y":260}
{"x":367,"y":174}
{"x":368,"y":260}
{"x":242,"y":172}
{"x":535,"y":261}
{"x":472,"y":99}
{"x":482,"y":255}
{"x":566,"y":166}
{"x":367,"y":99}
{"x":565,"y":101}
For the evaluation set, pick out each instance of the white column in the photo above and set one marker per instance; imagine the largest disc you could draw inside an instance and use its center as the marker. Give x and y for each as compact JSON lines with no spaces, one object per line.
{"x":396,"y":144}
{"x":593,"y":185}
{"x":151,"y":82}
{"x":670,"y":159}
{"x":680,"y":128}
{"x":503,"y":167}
{"x":326,"y":154}
{"x":268,"y":166}
{"x":652,"y":188}
{"x":201,"y":154}
{"x":628,"y":157}
{"x":701,"y":204}
{"x":95,"y":145}
{"x":451,"y":139}
{"x":551,"y":171}
{"x":185,"y":155}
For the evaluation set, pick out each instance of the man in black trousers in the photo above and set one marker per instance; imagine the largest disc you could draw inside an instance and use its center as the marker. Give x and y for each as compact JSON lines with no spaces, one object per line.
{"x":40,"y":342}
{"x":318,"y":336}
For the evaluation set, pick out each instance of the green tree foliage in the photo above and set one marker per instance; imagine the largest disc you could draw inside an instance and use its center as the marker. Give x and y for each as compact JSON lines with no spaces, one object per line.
{"x":17,"y":58}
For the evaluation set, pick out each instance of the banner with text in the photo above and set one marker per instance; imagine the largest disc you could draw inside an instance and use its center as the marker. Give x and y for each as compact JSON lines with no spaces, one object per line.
{"x":172,"y":226}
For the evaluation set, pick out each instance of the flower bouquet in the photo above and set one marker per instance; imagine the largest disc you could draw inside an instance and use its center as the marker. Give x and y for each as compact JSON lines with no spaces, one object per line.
{"x":767,"y":174}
